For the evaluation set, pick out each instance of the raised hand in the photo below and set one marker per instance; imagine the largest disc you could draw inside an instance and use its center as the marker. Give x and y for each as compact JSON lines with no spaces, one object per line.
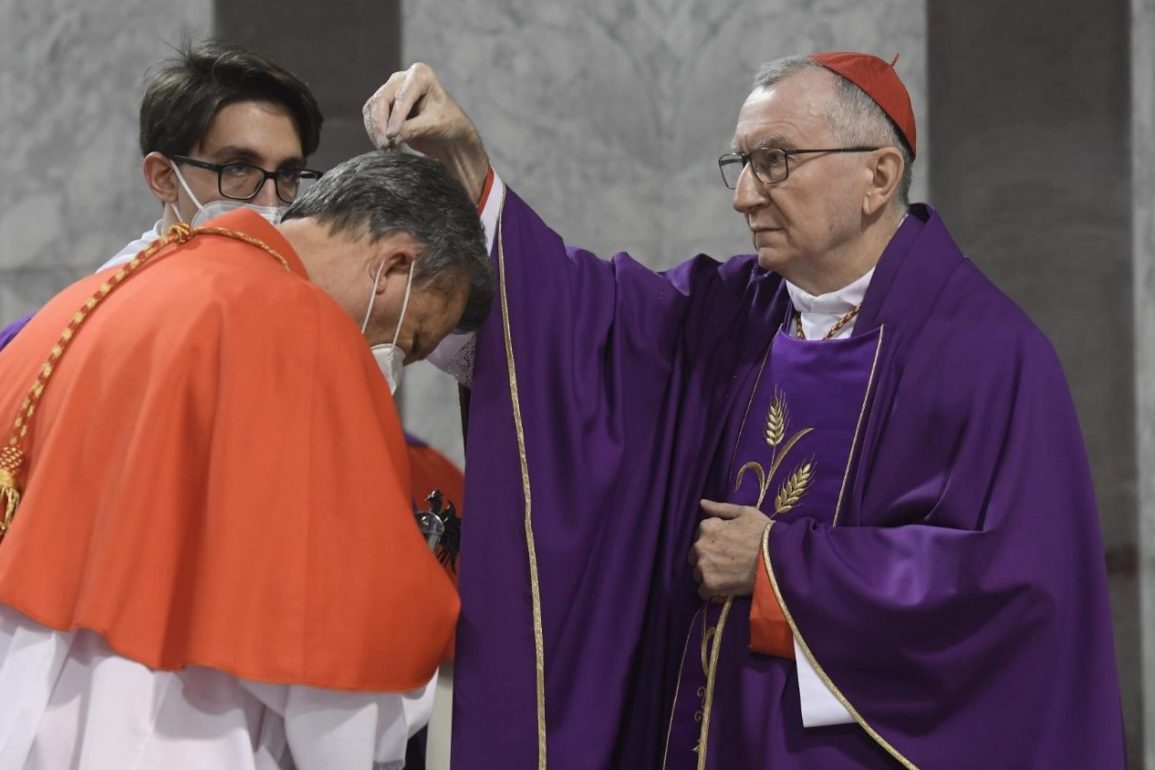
{"x":414,"y":108}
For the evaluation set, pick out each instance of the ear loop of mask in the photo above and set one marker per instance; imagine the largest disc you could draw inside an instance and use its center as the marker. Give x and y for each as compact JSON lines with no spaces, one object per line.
{"x":404,"y":302}
{"x":372,"y":297}
{"x":184,"y":184}
{"x":404,"y":306}
{"x":386,"y":353}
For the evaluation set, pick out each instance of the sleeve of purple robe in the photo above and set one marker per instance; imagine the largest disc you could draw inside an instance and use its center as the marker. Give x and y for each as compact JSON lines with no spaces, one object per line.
{"x":584,"y":458}
{"x":963,"y":617}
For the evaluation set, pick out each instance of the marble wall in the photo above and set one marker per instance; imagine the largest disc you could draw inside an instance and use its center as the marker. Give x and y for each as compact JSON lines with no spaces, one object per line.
{"x":70,"y":84}
{"x":1143,"y":256}
{"x":609,"y":116}
{"x":1032,"y":121}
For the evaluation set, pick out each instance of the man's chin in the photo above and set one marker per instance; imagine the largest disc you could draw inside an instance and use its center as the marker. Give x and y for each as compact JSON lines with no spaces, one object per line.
{"x":771,"y":259}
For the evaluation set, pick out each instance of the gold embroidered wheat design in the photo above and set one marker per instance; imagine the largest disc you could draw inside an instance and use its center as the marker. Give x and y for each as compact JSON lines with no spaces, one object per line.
{"x":777,"y":424}
{"x":776,"y":421}
{"x":792,"y":491}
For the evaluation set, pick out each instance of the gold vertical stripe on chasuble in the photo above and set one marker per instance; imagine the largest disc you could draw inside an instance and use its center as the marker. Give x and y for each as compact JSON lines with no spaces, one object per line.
{"x":530,"y":545}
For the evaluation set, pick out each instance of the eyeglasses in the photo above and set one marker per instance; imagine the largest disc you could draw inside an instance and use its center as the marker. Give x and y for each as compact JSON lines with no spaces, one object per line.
{"x":769,"y":164}
{"x":242,"y":181}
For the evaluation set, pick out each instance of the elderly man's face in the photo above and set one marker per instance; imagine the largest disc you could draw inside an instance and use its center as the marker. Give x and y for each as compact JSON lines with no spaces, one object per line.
{"x":803,"y":222}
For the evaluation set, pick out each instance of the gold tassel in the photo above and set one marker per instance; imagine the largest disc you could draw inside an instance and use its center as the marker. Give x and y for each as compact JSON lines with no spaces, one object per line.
{"x":11,"y":459}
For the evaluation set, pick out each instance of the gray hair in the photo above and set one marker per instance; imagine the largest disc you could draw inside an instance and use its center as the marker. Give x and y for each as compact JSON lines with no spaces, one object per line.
{"x":857,"y":119}
{"x":391,"y":192}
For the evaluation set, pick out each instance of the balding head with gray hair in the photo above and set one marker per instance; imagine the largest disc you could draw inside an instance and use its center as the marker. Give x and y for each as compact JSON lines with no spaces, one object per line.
{"x":382,"y":193}
{"x":856,"y":119}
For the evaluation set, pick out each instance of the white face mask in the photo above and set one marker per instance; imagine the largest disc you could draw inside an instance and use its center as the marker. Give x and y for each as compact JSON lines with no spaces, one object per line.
{"x":390,"y":359}
{"x":214,"y":209}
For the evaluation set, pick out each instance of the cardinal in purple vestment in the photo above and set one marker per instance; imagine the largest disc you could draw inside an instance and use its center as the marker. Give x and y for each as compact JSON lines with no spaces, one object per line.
{"x":825,"y":506}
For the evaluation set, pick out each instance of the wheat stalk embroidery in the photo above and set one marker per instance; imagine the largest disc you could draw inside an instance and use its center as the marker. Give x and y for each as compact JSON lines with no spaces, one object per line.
{"x":777,"y":426}
{"x":776,"y":421}
{"x":794,"y":488}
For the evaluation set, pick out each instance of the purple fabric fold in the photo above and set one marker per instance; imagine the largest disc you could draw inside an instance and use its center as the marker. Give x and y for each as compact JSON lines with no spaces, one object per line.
{"x":9,"y":332}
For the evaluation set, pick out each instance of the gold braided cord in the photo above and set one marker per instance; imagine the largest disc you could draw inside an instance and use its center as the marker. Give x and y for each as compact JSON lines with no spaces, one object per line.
{"x":837,"y":326}
{"x":711,"y":678}
{"x":822,"y":675}
{"x":530,"y":543}
{"x":12,"y":456}
{"x":678,"y":686}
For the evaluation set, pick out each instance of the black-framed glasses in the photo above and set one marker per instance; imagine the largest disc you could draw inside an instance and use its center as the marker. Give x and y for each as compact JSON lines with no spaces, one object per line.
{"x":242,"y":181}
{"x":770,"y":165}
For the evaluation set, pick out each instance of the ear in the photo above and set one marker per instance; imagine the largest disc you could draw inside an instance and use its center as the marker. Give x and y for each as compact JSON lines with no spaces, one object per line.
{"x":159,"y":177}
{"x":885,"y":178}
{"x":397,"y":251}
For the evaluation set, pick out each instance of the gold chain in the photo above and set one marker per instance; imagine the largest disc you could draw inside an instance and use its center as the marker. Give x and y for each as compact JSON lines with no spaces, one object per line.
{"x":12,"y":455}
{"x":837,"y":325}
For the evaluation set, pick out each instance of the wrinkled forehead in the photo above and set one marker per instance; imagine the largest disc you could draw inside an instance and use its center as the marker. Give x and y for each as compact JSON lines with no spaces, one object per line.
{"x":793,"y":113}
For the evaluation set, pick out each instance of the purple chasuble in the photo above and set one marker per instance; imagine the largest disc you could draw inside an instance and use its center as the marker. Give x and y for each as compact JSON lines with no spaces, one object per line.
{"x":791,"y":442}
{"x":958,"y":603}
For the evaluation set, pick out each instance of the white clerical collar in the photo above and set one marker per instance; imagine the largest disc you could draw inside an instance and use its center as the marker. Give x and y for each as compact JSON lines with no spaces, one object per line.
{"x":834,"y":303}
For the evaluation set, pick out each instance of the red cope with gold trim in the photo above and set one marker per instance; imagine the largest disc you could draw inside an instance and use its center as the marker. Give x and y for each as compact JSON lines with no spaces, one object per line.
{"x":217,"y":476}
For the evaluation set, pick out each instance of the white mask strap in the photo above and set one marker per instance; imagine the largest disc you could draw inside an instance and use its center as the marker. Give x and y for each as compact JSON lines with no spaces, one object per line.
{"x":404,"y":305}
{"x":373,"y":297}
{"x":175,"y":210}
{"x":184,"y":184}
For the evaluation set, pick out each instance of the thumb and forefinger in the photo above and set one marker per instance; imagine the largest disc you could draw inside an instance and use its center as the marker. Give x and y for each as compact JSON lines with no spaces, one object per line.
{"x":721,"y":510}
{"x":389,"y":107}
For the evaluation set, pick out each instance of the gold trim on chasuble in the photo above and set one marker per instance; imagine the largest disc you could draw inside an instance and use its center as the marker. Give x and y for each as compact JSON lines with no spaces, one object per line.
{"x":530,"y":545}
{"x":822,"y":675}
{"x":12,"y":456}
{"x":789,"y":496}
{"x":678,"y":688}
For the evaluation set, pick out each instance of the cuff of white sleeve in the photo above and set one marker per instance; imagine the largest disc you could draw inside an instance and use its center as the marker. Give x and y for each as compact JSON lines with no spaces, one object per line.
{"x":819,"y":706}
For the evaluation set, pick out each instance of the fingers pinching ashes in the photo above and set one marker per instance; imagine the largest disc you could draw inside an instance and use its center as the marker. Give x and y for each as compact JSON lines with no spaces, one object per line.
{"x":725,"y":554}
{"x":413,"y":108}
{"x":375,"y":113}
{"x":390,"y":105}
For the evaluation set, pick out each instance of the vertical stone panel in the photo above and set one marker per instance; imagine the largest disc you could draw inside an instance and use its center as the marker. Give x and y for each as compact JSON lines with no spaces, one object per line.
{"x":70,"y":87}
{"x":1143,"y":184}
{"x":1030,"y":129}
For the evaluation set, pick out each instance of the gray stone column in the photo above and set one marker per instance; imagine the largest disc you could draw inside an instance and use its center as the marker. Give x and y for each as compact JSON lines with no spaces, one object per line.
{"x":343,"y":51}
{"x":70,"y":88}
{"x":1143,"y":185}
{"x":1031,"y":127}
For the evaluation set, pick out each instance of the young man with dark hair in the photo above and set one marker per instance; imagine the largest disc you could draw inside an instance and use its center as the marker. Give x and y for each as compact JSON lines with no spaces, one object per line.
{"x":221,"y":127}
{"x":224,"y":127}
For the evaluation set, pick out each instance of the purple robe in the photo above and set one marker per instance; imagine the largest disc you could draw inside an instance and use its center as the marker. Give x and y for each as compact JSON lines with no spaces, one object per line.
{"x":9,"y":332}
{"x":791,"y":444}
{"x":959,"y":605}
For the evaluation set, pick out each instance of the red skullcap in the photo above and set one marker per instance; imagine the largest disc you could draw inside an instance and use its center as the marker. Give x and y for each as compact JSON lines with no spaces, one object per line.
{"x":880,"y":82}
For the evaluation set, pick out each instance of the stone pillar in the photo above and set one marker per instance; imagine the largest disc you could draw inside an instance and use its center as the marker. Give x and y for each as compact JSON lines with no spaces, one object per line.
{"x":1030,"y":128}
{"x":1143,"y":259}
{"x":343,"y":52}
{"x":71,"y":77}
